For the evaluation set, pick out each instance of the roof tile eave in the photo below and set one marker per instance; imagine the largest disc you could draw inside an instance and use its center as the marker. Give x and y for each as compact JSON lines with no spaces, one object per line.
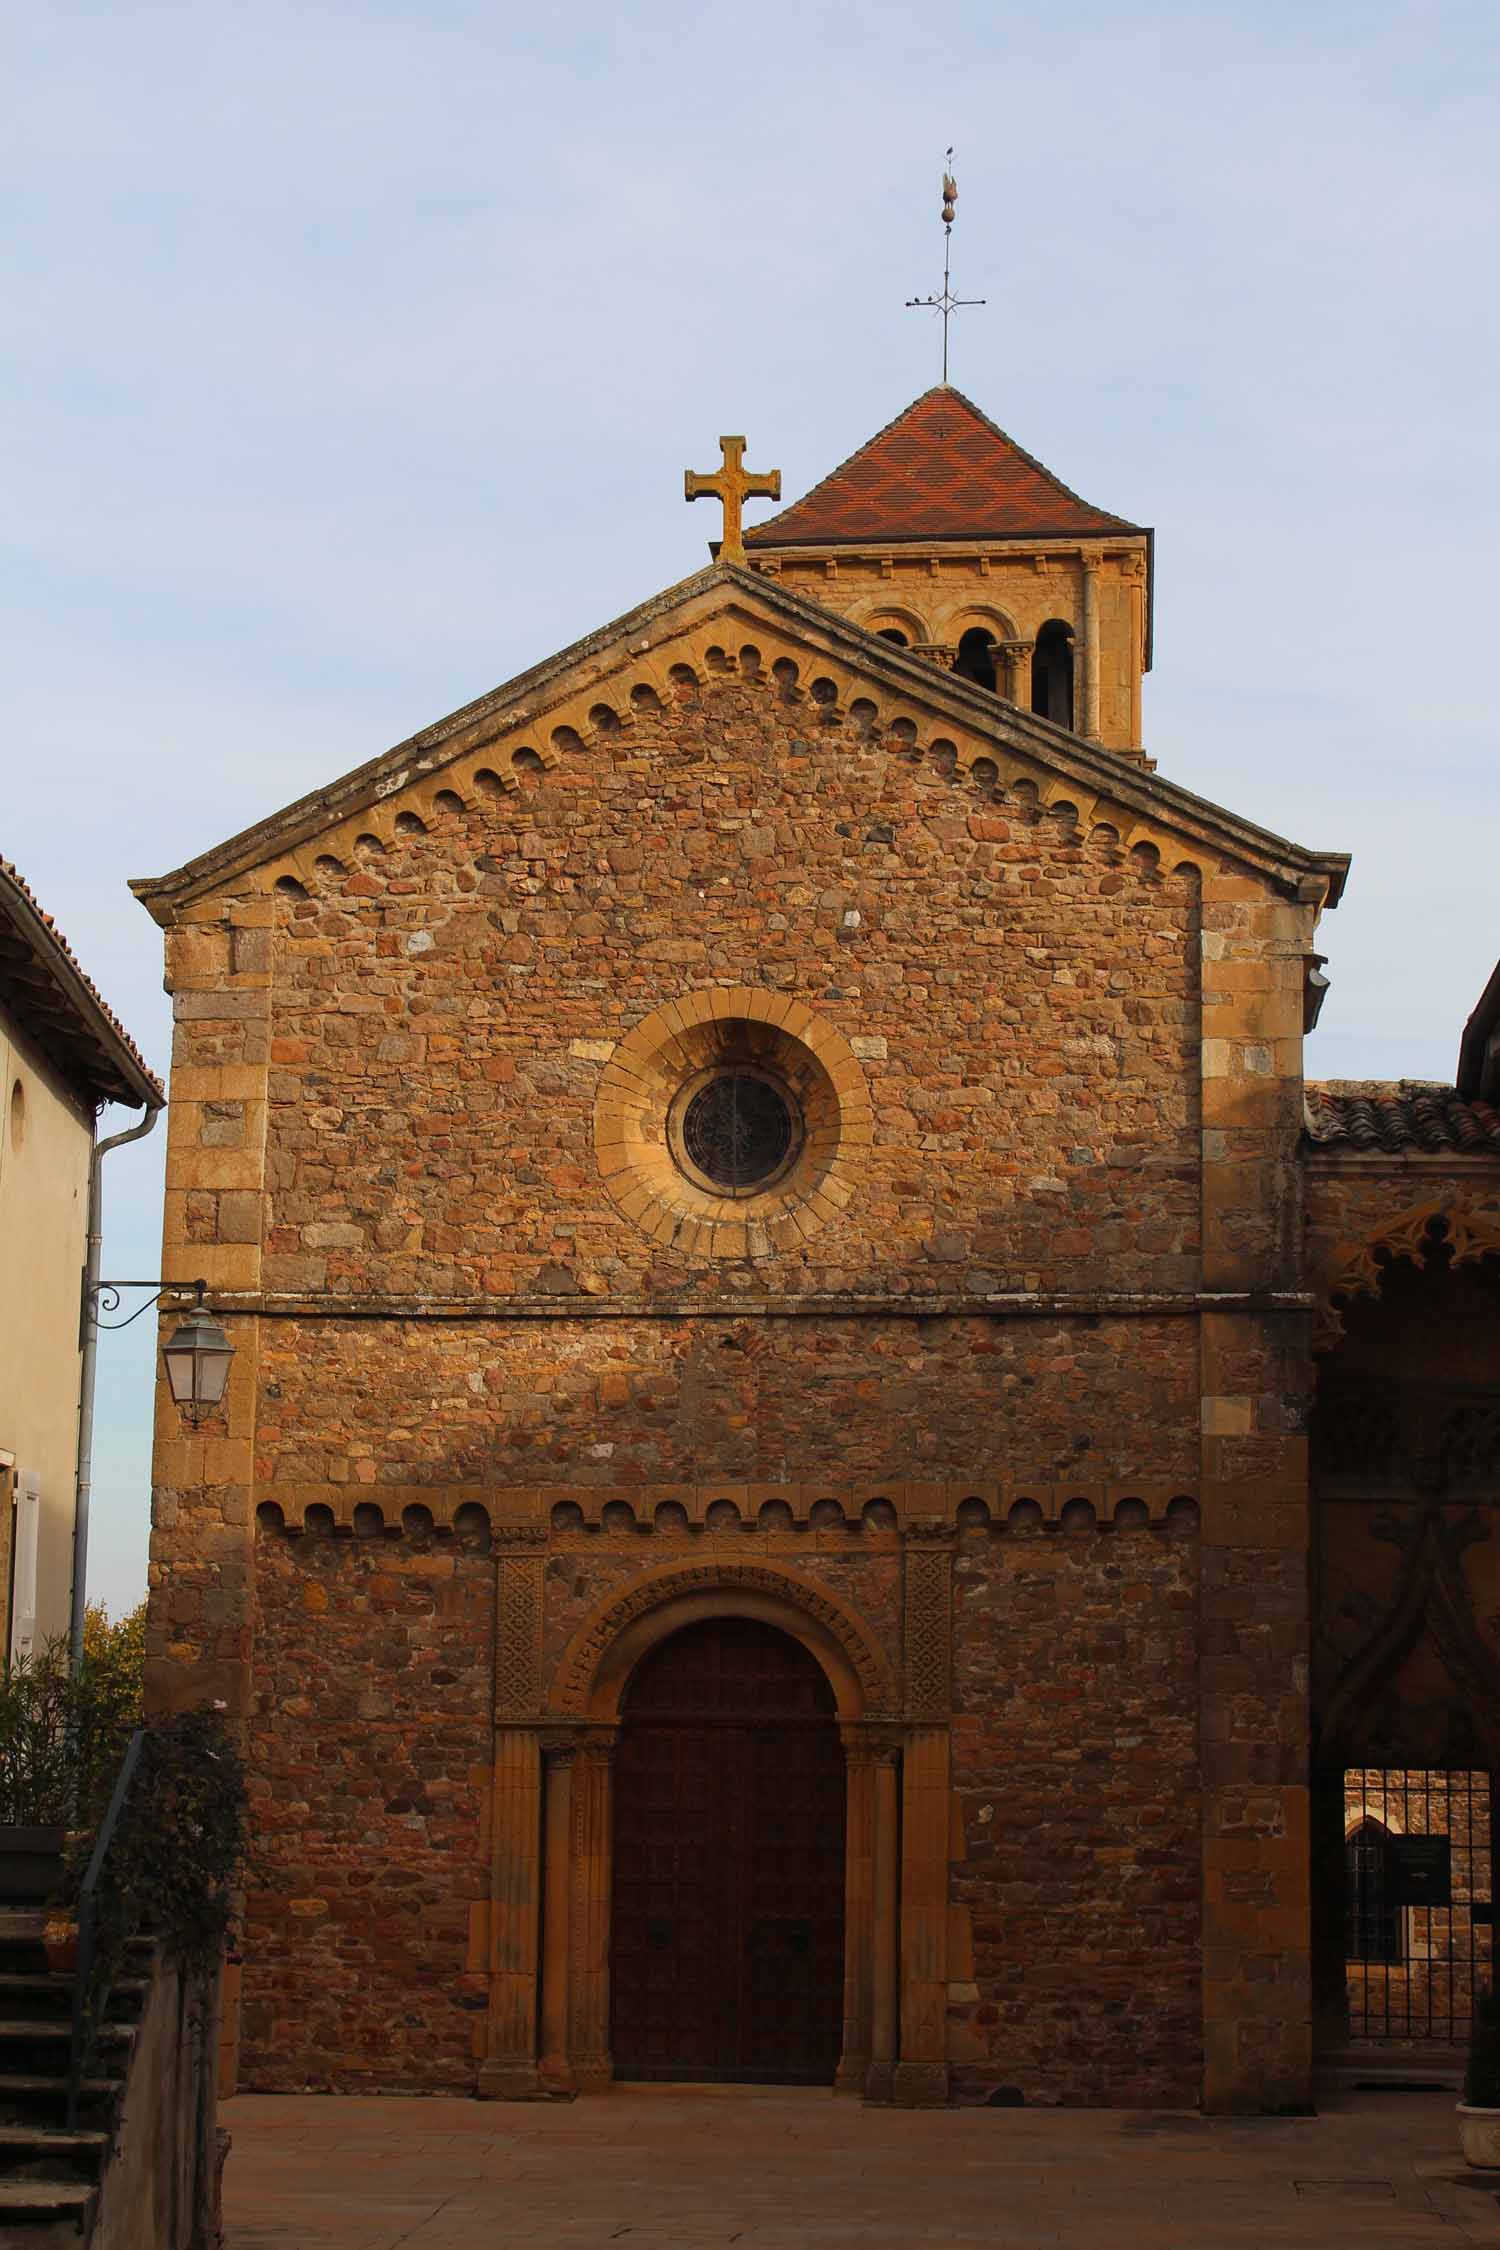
{"x":125,"y":1076}
{"x":1115,"y":527}
{"x":1397,"y":1118}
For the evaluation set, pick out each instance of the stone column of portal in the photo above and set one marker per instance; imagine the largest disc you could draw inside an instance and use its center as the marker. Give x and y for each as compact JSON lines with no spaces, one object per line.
{"x":592,"y":1869}
{"x":885,"y":1869}
{"x":853,"y":2072}
{"x":555,"y":2072}
{"x":922,"y":2073}
{"x":1018,"y":656}
{"x":1087,"y":689}
{"x":509,"y":2072}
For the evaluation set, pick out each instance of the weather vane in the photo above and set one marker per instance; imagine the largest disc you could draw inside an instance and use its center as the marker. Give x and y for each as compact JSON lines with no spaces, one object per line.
{"x":947,"y":304}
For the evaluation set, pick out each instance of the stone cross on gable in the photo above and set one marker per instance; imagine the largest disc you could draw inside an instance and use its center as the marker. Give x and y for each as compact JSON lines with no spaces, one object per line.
{"x":734,"y":484}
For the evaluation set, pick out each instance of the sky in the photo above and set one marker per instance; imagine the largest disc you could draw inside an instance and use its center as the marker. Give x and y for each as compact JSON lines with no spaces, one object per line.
{"x":354,"y":357}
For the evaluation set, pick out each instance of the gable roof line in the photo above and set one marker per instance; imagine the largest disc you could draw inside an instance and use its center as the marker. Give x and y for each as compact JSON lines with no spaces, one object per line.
{"x":764,"y":534}
{"x":1104,"y":772}
{"x":47,"y":990}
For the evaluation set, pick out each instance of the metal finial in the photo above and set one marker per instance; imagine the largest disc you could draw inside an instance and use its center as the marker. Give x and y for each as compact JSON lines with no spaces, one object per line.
{"x":947,"y":304}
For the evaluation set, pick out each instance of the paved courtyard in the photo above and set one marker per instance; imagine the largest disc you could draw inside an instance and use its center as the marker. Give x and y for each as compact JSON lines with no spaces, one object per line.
{"x":784,"y":2170}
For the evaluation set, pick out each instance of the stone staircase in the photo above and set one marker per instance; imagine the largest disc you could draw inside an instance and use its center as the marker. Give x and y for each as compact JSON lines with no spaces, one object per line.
{"x":50,"y":2177}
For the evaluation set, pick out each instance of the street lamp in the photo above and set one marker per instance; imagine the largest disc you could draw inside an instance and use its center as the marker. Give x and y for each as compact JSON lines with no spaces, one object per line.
{"x":197,"y":1353}
{"x":196,"y":1356}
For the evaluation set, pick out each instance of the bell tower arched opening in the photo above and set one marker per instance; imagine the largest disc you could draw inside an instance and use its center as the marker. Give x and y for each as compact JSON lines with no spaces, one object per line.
{"x":976,"y":657}
{"x":727,"y":1933}
{"x":1052,"y":673}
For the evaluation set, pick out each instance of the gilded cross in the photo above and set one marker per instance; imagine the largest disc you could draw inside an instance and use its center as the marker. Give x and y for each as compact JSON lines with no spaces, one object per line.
{"x":734,"y":484}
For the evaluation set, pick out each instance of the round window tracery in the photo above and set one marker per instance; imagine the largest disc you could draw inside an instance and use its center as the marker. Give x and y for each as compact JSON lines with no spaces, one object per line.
{"x":736,"y":1129}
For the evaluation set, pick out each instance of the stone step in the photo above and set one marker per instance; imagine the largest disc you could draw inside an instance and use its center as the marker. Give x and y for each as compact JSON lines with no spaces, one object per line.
{"x":42,"y":2031}
{"x":21,"y":2200}
{"x":38,"y":1994}
{"x":32,"y":2098}
{"x":42,"y":2152}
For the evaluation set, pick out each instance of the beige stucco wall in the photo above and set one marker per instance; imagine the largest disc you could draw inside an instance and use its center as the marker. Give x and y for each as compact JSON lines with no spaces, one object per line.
{"x":45,"y":1140}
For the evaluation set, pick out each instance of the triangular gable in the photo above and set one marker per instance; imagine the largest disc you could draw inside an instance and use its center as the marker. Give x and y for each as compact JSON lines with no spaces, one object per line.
{"x":726,"y":619}
{"x":941,"y":470}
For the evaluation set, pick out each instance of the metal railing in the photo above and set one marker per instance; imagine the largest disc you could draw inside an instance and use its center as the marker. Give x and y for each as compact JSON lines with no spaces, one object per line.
{"x":88,"y":2007}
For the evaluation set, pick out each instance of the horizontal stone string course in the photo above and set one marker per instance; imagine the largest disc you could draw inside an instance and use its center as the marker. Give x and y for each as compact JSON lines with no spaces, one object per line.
{"x":553,"y":1510}
{"x":1030,"y":1304}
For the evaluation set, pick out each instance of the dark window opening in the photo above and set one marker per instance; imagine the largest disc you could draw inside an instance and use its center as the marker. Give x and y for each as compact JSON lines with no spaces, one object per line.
{"x":976,"y":657}
{"x":1052,"y":673}
{"x":894,"y":634}
{"x":1373,"y":1927}
{"x":738,"y":1130}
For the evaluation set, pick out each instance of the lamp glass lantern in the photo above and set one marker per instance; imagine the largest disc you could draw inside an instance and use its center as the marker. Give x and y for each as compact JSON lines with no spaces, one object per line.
{"x":196,"y":1356}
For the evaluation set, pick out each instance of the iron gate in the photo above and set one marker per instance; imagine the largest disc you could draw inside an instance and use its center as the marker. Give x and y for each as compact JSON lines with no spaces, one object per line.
{"x":1419,"y":1929}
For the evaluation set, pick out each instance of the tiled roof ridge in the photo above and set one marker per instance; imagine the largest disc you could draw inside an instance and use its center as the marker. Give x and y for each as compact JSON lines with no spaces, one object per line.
{"x":13,"y":877}
{"x":1381,"y":1116}
{"x":761,"y":534}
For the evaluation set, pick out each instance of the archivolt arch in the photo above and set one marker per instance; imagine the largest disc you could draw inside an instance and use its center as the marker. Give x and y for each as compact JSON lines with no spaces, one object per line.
{"x":598,"y":1661}
{"x":964,"y":616}
{"x":882,"y":617}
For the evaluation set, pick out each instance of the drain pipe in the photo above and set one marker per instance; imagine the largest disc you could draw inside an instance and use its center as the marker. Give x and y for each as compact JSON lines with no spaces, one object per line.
{"x":89,"y":1342}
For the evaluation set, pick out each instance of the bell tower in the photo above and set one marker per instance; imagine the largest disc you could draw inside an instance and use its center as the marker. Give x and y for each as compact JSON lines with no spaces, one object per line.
{"x":941,"y":534}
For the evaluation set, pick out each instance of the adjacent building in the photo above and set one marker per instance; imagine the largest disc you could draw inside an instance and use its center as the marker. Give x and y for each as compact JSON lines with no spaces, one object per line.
{"x":63,"y":1058}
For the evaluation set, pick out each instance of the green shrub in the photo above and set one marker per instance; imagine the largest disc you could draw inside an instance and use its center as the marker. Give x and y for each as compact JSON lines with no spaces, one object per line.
{"x":62,"y":1739}
{"x":175,"y":1862}
{"x":1482,"y":2075}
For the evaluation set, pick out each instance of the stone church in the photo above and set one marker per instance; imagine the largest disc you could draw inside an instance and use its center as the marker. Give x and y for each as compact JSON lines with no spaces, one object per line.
{"x":834,"y":1472}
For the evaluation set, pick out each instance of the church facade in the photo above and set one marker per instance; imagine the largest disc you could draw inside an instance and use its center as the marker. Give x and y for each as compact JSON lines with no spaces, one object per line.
{"x":785,"y":1281}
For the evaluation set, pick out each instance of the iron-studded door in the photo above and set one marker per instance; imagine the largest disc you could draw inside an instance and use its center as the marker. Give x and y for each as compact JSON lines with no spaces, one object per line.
{"x":727,"y":1950}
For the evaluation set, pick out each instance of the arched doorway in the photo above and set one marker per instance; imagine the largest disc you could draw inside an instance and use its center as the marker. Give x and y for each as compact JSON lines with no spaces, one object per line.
{"x":727,"y":1933}
{"x":1405,"y":1460}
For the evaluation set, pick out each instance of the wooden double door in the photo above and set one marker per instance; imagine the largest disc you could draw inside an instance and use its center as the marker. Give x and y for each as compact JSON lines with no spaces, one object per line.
{"x":727,"y":1945}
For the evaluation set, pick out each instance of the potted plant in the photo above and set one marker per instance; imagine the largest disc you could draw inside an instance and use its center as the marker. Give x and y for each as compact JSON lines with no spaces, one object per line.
{"x":1479,"y":2111}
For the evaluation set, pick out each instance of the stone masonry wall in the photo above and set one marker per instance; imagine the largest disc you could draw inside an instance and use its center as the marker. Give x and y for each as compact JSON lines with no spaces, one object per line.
{"x":1023,"y":996}
{"x":371,"y":1748}
{"x":384,"y":1099}
{"x":1075,"y":1770}
{"x":633,"y":1406}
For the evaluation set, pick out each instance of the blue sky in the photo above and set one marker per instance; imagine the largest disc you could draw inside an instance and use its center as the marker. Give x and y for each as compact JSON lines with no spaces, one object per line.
{"x":354,"y":357}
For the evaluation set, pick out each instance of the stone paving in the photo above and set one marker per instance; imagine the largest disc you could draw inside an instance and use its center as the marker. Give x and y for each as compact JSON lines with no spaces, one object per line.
{"x":781,"y":2169}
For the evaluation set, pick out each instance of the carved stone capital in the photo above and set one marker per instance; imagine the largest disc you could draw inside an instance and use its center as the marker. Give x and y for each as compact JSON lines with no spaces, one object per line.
{"x":944,"y":654}
{"x":867,"y":1745}
{"x":929,"y":1531}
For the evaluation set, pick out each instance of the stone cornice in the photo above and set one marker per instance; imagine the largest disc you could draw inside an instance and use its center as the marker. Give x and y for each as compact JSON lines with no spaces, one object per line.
{"x":805,"y":654}
{"x":1015,"y":1305}
{"x":1061,"y":546}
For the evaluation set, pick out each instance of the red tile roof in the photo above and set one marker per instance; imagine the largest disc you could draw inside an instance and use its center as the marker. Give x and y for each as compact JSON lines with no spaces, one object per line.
{"x":1375,"y":1118}
{"x":43,"y":985}
{"x":941,"y":470}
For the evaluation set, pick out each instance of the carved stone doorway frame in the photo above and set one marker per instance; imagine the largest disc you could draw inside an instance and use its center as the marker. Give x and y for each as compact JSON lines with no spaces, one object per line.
{"x":552,"y":1830}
